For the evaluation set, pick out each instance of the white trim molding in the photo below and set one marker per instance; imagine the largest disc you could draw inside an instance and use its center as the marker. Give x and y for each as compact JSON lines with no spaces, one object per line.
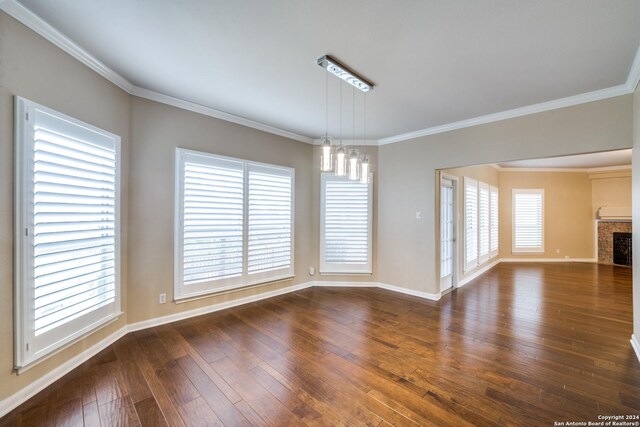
{"x":589,"y":260}
{"x":41,"y":27}
{"x":157,"y":321}
{"x":635,"y":344}
{"x":218,"y":114}
{"x":406,"y":291}
{"x":16,"y":399}
{"x":480,"y":271}
{"x":37,"y":24}
{"x":569,"y":101}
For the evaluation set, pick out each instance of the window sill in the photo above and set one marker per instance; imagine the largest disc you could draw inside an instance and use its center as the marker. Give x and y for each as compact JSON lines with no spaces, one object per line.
{"x":230,"y":289}
{"x":346,"y":273}
{"x":74,"y":340}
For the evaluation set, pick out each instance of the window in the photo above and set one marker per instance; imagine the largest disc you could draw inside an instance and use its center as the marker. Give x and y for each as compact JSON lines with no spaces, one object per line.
{"x":483,"y":222}
{"x":234,"y":223}
{"x":470,"y":222}
{"x":345,"y":225}
{"x":494,"y":203}
{"x":67,"y":230}
{"x":528,"y":220}
{"x":480,"y":222}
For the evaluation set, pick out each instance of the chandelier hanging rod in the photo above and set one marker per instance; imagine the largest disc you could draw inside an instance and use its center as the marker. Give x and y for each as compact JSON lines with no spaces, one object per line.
{"x":340,"y":70}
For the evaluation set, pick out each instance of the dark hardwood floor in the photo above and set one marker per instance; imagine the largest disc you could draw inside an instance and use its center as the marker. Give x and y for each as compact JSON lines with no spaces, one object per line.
{"x":524,"y":344}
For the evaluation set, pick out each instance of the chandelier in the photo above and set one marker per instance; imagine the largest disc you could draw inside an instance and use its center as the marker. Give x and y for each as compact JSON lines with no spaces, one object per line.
{"x":341,"y":160}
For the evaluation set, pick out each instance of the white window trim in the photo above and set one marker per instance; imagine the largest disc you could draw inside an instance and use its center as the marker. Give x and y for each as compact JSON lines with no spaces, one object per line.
{"x":213,"y":287}
{"x":527,"y":250}
{"x":469,"y":264}
{"x":24,"y":116}
{"x":482,"y":186}
{"x":332,"y":268}
{"x":494,"y":252}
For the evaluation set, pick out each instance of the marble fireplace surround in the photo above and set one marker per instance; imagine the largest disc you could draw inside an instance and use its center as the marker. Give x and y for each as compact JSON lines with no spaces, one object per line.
{"x":606,"y":228}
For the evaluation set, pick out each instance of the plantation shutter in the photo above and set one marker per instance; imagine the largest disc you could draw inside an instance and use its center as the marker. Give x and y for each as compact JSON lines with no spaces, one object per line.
{"x":528,"y":213}
{"x":213,"y":203}
{"x":470,"y":222}
{"x":494,"y":219}
{"x":69,"y":258}
{"x":234,"y":223}
{"x":270,"y":221}
{"x":345,"y":225}
{"x":483,"y":222}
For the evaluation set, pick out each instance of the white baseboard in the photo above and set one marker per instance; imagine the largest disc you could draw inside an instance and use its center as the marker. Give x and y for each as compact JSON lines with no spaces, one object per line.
{"x":412,"y":292}
{"x":477,"y":273}
{"x":13,"y":401}
{"x":344,"y":284}
{"x":145,"y":324}
{"x":592,"y":260}
{"x":636,"y":346}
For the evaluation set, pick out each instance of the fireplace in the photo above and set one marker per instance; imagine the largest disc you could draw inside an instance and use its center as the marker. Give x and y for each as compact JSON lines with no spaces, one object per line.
{"x":622,"y":249}
{"x":606,"y":230}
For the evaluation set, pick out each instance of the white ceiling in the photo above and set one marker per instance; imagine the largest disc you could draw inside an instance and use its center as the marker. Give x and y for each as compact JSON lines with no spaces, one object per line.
{"x":581,"y":161}
{"x":433,"y":62}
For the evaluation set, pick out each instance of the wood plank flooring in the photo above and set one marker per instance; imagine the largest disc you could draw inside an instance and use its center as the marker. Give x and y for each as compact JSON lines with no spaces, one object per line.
{"x":524,"y":344}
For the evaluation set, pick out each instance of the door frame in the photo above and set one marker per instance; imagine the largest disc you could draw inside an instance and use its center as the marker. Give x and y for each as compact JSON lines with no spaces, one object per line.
{"x":455,"y":182}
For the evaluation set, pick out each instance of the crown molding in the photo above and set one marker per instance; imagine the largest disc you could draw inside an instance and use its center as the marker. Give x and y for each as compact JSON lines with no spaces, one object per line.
{"x":37,"y":24}
{"x":211,"y":112}
{"x":604,"y":169}
{"x":634,"y":73}
{"x":583,"y":98}
{"x":575,"y":170}
{"x":349,"y":142}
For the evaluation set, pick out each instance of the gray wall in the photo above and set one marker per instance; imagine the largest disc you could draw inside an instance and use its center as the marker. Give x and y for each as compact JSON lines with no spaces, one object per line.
{"x":35,"y":69}
{"x":157,"y":130}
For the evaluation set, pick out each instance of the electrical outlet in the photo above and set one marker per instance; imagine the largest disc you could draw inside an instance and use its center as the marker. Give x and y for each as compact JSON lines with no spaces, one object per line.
{"x":312,"y":271}
{"x":163,"y":298}
{"x":418,"y":215}
{"x":557,"y":251}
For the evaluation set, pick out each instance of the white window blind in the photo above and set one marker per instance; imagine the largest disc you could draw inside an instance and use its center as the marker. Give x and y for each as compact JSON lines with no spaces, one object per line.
{"x":483,"y":222}
{"x":495,"y":203}
{"x":528,"y":220}
{"x":470,"y":222}
{"x":213,"y":220}
{"x":345,"y":225}
{"x":234,"y":223}
{"x":270,"y":219}
{"x":67,"y":215}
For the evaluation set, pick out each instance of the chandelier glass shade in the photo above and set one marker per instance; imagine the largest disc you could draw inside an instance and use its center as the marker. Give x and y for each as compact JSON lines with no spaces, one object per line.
{"x":364,"y":170}
{"x":341,"y":159}
{"x":326,"y":158}
{"x":354,"y":169}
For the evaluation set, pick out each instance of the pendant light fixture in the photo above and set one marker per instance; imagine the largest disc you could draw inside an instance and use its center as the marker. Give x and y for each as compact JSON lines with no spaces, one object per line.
{"x":341,"y":169}
{"x":326,"y":158}
{"x":357,"y":168}
{"x":364,"y":164}
{"x":353,"y":153}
